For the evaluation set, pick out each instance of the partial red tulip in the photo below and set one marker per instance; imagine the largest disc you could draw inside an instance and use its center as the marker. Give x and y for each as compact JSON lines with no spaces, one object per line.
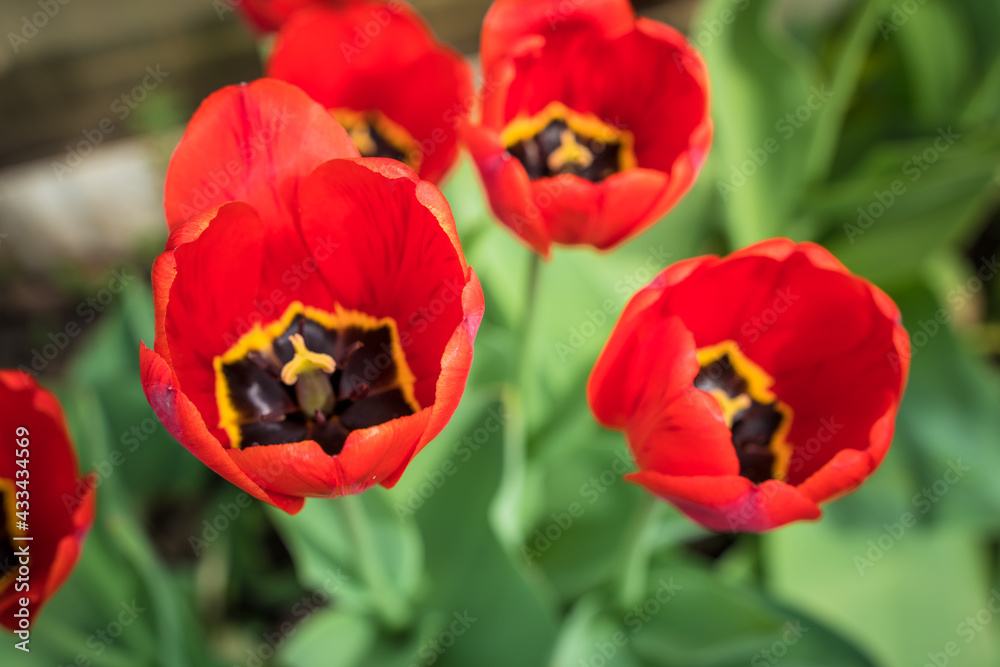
{"x":315,"y":320}
{"x":379,"y":70}
{"x":46,"y":508}
{"x":594,"y":123}
{"x":754,"y":388}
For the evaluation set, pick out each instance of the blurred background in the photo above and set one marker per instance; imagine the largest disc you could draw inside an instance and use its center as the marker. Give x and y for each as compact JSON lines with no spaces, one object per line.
{"x":869,"y":126}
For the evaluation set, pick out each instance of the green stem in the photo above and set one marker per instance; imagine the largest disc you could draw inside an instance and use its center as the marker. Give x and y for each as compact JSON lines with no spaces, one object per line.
{"x":756,"y":545}
{"x":394,"y":609}
{"x":639,"y":543}
{"x":524,"y":329}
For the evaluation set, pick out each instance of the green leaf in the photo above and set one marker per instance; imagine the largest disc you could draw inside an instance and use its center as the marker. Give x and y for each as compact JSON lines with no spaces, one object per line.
{"x":899,"y":592}
{"x":330,"y":637}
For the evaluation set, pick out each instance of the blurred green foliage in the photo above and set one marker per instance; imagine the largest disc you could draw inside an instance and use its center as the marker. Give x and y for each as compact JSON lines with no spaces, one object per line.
{"x":512,"y":539}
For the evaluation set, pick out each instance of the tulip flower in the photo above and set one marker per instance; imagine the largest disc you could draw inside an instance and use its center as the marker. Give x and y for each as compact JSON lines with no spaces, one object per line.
{"x":594,"y":123}
{"x":754,"y":388}
{"x":315,"y":318}
{"x":379,"y":70}
{"x":46,"y":508}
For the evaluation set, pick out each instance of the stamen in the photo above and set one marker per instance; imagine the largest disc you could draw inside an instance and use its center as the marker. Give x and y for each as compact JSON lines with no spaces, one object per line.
{"x":355,"y":346}
{"x":570,"y":151}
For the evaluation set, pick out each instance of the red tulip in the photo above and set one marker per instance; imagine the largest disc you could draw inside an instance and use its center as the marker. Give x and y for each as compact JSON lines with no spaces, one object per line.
{"x":45,"y":507}
{"x":752,"y":389}
{"x":315,"y":322}
{"x":270,"y":15}
{"x":594,"y":123}
{"x":377,"y":67}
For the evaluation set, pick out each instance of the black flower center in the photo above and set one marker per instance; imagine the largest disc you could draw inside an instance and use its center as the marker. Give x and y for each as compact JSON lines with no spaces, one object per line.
{"x":560,"y":141}
{"x":759,"y":422}
{"x":313,"y":376}
{"x":377,"y":136}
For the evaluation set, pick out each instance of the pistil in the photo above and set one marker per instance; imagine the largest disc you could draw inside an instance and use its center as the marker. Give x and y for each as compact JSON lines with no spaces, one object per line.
{"x":309,"y":372}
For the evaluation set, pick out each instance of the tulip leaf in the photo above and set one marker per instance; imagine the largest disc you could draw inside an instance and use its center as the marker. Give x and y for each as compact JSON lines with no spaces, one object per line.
{"x":470,"y":574}
{"x":762,"y":87}
{"x":938,"y":77}
{"x":868,"y":588}
{"x":356,"y":545}
{"x":330,"y":637}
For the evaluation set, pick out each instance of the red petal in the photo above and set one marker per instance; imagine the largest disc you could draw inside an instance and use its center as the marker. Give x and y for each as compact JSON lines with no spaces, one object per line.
{"x":294,"y":469}
{"x":509,"y":190}
{"x":846,"y":471}
{"x":606,"y":392}
{"x":731,"y":503}
{"x":183,"y":421}
{"x":508,"y":21}
{"x":396,"y":254}
{"x":455,"y":365}
{"x":379,"y":454}
{"x":254,"y":143}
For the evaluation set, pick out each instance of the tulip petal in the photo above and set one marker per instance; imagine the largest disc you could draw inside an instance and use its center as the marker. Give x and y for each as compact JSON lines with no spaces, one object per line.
{"x":183,"y":421}
{"x":731,"y":503}
{"x":252,"y":143}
